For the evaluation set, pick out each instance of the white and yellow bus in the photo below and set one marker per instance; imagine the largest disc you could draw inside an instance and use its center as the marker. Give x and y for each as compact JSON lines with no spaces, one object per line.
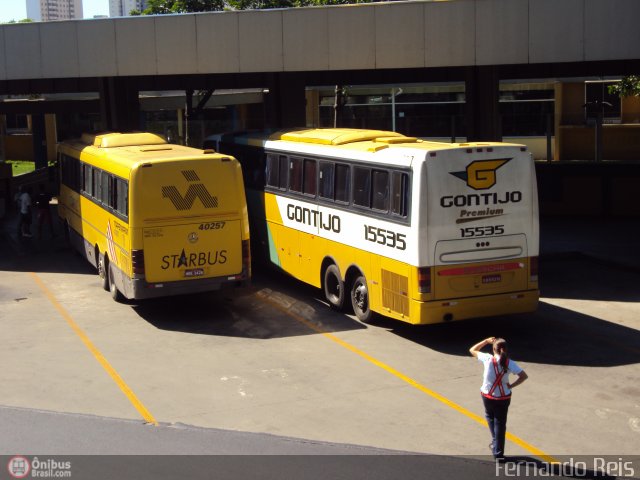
{"x":155,"y":219}
{"x":419,"y":231}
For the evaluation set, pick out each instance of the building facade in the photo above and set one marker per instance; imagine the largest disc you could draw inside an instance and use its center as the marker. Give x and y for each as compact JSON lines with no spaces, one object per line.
{"x":48,"y":10}
{"x":122,"y":8}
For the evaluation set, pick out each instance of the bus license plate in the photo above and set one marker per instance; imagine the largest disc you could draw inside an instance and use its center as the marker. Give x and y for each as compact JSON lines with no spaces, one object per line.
{"x":491,"y":278}
{"x":195,"y":272}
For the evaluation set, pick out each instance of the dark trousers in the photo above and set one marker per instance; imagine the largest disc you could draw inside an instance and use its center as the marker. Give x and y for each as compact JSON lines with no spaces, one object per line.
{"x":495,"y":411}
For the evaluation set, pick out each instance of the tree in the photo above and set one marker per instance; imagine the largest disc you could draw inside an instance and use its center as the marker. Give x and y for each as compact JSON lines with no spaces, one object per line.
{"x":262,"y":4}
{"x":182,"y":6}
{"x":155,"y":7}
{"x":629,"y":86}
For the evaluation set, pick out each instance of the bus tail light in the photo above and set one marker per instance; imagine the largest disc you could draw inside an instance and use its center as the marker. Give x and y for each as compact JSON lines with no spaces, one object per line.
{"x":137,"y":261}
{"x":246,"y":258}
{"x":424,"y":280}
{"x":533,"y":269}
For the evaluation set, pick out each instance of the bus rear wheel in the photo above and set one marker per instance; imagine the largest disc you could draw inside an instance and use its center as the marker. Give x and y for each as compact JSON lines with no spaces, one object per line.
{"x":103,"y":265}
{"x":334,"y":287}
{"x":360,"y":299}
{"x":113,"y":290}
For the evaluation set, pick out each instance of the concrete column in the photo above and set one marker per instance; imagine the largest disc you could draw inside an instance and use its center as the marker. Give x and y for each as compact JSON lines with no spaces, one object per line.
{"x":313,"y":108}
{"x":482,"y":91}
{"x":119,"y":104}
{"x":3,"y":132}
{"x":39,"y":136}
{"x":51,"y":136}
{"x":285,"y":104}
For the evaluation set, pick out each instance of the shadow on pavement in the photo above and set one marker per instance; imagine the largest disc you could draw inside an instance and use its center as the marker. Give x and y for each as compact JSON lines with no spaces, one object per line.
{"x":552,"y":335}
{"x":257,"y":312}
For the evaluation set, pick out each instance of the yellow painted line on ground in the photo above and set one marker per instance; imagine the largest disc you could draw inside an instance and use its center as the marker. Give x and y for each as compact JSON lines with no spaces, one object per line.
{"x":96,"y":353}
{"x":467,"y":413}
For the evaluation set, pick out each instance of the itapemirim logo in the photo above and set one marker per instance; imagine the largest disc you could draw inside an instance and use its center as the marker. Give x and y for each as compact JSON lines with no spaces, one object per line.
{"x":195,"y":190}
{"x":481,"y":174}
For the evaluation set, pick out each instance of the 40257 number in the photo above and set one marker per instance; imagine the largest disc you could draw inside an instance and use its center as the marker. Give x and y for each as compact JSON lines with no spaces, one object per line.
{"x":211,"y":226}
{"x":482,"y":231}
{"x":385,"y":237}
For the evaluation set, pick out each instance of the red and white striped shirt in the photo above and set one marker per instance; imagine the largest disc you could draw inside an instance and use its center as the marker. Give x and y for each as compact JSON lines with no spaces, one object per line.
{"x":494,"y":379}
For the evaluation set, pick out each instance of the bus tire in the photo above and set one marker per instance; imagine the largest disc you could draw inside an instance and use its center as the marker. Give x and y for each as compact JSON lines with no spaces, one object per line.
{"x":103,"y":265}
{"x":333,"y":287}
{"x":360,"y":299}
{"x":113,"y":289}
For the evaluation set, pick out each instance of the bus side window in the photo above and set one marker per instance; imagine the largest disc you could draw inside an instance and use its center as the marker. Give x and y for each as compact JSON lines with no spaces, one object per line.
{"x":380,"y":190}
{"x":71,"y":173}
{"x":95,"y":175}
{"x":284,"y":170}
{"x":325,"y":180}
{"x":87,"y":185}
{"x":122,"y":192}
{"x":310,"y":187}
{"x":104,"y":190}
{"x":273,"y":171}
{"x":295,"y":174}
{"x":400,"y":182}
{"x":362,"y":187}
{"x":343,"y":183}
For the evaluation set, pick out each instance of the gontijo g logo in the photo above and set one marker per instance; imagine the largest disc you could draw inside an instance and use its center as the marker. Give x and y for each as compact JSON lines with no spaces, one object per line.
{"x":481,"y":174}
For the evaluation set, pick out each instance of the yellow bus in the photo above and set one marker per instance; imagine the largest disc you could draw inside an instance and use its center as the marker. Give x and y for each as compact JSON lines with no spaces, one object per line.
{"x":155,"y":219}
{"x":418,"y":231}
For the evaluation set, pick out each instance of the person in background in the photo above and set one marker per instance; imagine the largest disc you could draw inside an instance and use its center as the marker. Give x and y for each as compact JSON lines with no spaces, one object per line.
{"x":496,"y":389}
{"x":44,"y":211}
{"x":24,"y":226}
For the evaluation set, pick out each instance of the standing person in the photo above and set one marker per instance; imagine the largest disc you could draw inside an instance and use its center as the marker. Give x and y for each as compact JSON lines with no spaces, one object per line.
{"x":496,"y":389}
{"x":44,"y":211}
{"x":25,"y":212}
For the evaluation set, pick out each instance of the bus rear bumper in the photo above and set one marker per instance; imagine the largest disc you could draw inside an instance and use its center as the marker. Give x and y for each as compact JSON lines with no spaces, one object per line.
{"x":438,"y":311}
{"x":139,"y":289}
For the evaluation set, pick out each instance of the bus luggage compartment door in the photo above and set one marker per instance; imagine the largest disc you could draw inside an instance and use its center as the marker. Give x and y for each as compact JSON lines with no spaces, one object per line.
{"x":466,"y":268}
{"x":192,"y":251}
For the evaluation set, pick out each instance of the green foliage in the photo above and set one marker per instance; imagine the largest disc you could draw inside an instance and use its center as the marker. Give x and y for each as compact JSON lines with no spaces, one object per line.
{"x":24,"y":20}
{"x":155,"y":7}
{"x":263,"y":4}
{"x":629,"y":86}
{"x":182,"y":6}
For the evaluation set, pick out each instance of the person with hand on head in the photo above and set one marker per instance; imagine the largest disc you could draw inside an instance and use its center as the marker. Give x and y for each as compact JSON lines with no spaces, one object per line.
{"x":496,"y":389}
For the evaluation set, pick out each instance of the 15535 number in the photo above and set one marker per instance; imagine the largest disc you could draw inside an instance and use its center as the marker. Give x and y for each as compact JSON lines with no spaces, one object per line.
{"x":385,"y":237}
{"x":482,"y":231}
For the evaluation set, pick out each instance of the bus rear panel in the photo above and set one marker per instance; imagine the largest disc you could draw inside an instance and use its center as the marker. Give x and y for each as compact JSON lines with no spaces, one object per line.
{"x":189,"y":226}
{"x":481,"y":220}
